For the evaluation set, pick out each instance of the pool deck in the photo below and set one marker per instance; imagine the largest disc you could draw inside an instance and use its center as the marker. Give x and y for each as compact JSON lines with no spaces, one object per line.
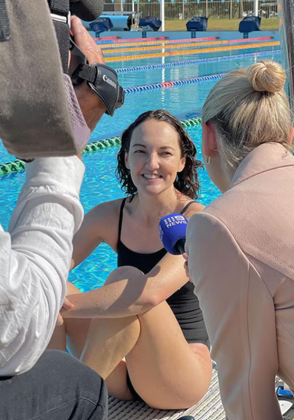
{"x":209,"y":408}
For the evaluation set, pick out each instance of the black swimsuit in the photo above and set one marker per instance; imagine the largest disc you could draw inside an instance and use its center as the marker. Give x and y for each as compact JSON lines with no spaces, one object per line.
{"x":183,"y":302}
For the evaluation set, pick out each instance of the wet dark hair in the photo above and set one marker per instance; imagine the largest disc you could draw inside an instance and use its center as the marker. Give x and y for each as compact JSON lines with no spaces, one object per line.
{"x":187,"y":181}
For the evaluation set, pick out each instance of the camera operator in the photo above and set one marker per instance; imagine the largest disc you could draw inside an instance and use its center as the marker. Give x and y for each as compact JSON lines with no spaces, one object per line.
{"x":34,"y":259}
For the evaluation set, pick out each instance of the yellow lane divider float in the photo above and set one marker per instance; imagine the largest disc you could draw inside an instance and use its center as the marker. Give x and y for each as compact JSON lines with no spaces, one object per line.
{"x":198,"y":51}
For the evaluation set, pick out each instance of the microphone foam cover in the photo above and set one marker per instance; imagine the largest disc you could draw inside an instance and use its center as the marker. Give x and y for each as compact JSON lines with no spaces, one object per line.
{"x":172,"y":228}
{"x":87,"y":9}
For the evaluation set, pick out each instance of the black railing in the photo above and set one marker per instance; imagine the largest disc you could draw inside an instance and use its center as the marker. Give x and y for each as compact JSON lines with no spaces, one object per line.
{"x":229,"y":9}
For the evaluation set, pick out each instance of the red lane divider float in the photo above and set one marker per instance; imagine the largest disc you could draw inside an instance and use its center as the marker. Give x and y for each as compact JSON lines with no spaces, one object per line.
{"x":263,"y":38}
{"x":118,"y":39}
{"x":208,"y":38}
{"x":107,"y":37}
{"x":159,"y":38}
{"x":169,"y":40}
{"x":167,"y":84}
{"x":148,"y":41}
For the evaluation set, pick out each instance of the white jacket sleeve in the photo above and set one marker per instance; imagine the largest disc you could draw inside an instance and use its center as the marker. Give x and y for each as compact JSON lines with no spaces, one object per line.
{"x":239,"y":314}
{"x":35,"y":258}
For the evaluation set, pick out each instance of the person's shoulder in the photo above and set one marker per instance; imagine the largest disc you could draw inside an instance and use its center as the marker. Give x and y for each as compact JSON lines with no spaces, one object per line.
{"x":224,"y":205}
{"x":193,"y":208}
{"x":102,"y":222}
{"x":106,"y":211}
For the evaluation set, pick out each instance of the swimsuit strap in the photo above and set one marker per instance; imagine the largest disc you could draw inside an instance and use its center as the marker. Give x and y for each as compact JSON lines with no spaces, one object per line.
{"x":122,"y":208}
{"x":121,"y":217}
{"x":186,"y":206}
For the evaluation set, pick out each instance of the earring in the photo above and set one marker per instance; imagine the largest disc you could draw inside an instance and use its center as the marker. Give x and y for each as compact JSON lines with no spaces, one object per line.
{"x":207,"y":160}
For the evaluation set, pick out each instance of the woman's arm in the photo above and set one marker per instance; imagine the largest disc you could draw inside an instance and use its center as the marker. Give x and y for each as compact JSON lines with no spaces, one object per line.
{"x":99,"y":225}
{"x":127,"y":291}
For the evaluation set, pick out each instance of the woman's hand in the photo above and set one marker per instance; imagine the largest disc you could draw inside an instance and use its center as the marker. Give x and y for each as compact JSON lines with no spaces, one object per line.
{"x":66,"y":305}
{"x":186,"y":266}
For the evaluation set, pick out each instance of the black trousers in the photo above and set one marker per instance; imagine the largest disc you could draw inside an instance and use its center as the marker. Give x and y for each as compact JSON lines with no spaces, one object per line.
{"x":58,"y":387}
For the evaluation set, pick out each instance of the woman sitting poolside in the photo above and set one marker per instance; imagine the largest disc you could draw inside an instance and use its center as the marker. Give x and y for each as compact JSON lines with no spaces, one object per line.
{"x":241,"y":247}
{"x":146,"y":312}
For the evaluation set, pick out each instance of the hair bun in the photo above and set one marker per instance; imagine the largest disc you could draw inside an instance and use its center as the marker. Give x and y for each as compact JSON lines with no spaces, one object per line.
{"x":266,"y":76}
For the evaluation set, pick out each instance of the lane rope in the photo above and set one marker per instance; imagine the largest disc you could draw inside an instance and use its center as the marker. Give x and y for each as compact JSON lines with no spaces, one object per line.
{"x":118,"y":39}
{"x":198,"y":51}
{"x":181,"y":42}
{"x":171,"y":84}
{"x":130,"y":42}
{"x":106,"y":50}
{"x":198,"y":61}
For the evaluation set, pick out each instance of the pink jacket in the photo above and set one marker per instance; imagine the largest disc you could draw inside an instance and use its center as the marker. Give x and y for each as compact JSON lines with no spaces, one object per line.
{"x":241,"y":260}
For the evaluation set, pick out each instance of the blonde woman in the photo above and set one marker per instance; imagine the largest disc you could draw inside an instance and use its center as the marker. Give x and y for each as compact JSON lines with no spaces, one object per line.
{"x":241,"y":247}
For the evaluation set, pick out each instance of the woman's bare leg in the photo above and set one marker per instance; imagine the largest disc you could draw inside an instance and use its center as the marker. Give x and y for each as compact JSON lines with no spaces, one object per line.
{"x":102,"y":350}
{"x":165,"y":370}
{"x":117,"y":382}
{"x":108,"y":341}
{"x":77,"y":330}
{"x":58,"y":339}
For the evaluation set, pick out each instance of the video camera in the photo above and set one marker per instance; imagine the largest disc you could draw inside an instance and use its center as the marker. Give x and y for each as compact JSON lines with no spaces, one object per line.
{"x":35,"y":118}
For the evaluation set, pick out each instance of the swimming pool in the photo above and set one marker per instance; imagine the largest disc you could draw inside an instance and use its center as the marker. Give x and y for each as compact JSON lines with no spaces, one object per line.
{"x":99,"y":183}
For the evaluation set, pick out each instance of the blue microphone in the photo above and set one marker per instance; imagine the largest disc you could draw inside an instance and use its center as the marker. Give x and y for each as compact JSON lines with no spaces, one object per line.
{"x":172,"y":231}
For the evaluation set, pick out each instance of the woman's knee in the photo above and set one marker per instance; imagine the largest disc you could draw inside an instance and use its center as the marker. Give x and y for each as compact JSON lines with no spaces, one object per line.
{"x":205,"y":365}
{"x":201,"y":350}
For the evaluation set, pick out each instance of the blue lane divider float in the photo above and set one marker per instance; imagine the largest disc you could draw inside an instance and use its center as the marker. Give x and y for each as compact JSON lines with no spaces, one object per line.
{"x":191,"y":62}
{"x":171,"y":84}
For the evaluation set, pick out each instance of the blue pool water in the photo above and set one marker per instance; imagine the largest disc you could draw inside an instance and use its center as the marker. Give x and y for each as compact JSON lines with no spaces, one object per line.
{"x":100,"y":184}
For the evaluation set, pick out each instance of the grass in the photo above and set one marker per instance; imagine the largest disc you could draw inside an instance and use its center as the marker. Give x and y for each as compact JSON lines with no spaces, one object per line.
{"x":215,"y":24}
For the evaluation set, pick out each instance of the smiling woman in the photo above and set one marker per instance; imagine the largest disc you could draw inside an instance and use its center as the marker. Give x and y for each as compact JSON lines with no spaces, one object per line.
{"x":154,"y":165}
{"x":147,"y":336}
{"x":171,"y":138}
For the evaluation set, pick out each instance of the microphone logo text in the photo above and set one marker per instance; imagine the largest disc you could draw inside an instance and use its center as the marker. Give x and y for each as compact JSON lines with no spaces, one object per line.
{"x":174,"y":221}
